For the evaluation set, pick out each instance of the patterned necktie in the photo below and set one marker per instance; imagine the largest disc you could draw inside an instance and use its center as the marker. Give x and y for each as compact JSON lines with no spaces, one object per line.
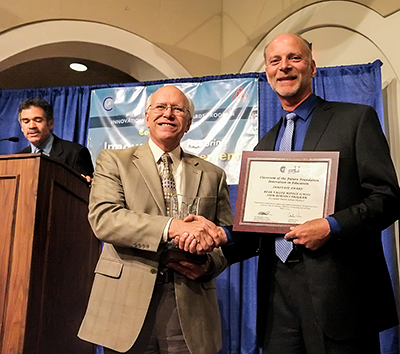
{"x":168,"y":182}
{"x":283,"y":247}
{"x":287,"y":138}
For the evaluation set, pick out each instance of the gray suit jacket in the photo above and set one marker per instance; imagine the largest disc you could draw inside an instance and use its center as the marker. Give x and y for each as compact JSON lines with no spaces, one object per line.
{"x":127,"y":212}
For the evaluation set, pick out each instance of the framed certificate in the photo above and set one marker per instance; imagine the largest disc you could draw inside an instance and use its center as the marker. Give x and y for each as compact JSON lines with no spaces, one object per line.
{"x":279,"y":189}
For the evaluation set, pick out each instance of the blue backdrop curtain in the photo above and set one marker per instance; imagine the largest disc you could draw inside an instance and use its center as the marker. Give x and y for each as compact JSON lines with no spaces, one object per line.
{"x":236,"y":287}
{"x":71,"y":111}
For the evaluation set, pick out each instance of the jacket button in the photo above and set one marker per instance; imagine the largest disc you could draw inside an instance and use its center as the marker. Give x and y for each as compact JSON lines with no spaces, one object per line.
{"x":153,"y":271}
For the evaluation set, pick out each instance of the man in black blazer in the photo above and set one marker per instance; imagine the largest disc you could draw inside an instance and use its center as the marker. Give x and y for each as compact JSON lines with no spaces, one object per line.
{"x":36,"y":118}
{"x":333,"y":294}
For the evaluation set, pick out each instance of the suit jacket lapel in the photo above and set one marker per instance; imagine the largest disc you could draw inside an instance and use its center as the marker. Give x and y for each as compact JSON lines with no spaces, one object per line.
{"x":56,"y":149}
{"x":322,"y":115}
{"x":143,"y":159}
{"x":192,"y":175}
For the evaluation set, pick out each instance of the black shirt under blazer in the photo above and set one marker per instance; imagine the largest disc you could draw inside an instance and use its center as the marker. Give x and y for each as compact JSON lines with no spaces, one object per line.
{"x":348,"y":278}
{"x":71,"y":154}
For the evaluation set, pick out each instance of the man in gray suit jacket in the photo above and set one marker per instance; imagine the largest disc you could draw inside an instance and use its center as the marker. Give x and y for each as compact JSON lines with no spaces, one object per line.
{"x":141,"y":300}
{"x":36,"y":118}
{"x":333,"y":294}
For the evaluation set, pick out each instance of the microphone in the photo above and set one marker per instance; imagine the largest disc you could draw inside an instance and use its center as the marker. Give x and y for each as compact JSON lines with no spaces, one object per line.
{"x":14,"y":139}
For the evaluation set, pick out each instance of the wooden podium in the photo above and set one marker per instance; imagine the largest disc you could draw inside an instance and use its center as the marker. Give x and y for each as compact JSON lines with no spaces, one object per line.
{"x":47,"y":256}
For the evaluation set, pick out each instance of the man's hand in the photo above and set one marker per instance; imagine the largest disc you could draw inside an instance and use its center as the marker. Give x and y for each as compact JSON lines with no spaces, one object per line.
{"x":312,"y":234}
{"x":192,"y":270}
{"x":87,"y":178}
{"x":204,"y":242}
{"x":196,"y":234}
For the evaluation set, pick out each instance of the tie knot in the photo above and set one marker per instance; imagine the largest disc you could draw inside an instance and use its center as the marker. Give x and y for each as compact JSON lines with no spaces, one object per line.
{"x":291,"y":116}
{"x":165,"y":158}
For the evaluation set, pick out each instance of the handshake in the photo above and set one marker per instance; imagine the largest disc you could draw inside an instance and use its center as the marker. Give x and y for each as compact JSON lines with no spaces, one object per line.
{"x":196,"y":234}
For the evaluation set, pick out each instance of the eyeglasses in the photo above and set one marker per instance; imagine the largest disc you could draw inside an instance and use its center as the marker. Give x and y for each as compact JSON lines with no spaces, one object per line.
{"x":176,"y":110}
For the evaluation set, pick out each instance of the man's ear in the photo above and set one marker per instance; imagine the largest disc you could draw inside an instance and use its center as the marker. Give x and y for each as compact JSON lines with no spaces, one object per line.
{"x":314,"y":68}
{"x":188,"y":125}
{"x":146,"y":119}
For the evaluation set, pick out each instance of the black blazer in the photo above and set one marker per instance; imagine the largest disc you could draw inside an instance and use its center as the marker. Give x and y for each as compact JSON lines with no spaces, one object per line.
{"x":72,"y":154}
{"x":348,"y":277}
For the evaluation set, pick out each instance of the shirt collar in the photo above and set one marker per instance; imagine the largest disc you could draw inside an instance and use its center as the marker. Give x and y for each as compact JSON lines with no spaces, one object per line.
{"x":157,"y":153}
{"x":305,"y":109}
{"x":46,"y":146}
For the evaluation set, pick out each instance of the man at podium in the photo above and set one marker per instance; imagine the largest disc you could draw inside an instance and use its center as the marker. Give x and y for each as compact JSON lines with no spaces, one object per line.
{"x":36,"y":118}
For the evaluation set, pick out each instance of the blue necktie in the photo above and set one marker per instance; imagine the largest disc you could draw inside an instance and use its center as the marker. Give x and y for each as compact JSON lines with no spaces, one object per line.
{"x":283,"y":247}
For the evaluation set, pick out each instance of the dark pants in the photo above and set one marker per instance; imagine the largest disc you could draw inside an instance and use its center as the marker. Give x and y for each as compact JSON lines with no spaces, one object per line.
{"x":292,"y":327}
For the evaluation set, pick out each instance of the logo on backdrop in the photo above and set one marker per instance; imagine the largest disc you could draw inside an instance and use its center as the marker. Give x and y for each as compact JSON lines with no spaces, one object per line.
{"x":241,"y":94}
{"x":108,"y":103}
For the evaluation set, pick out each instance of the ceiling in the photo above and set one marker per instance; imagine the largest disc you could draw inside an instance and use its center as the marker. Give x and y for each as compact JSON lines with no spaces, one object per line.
{"x":51,"y":72}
